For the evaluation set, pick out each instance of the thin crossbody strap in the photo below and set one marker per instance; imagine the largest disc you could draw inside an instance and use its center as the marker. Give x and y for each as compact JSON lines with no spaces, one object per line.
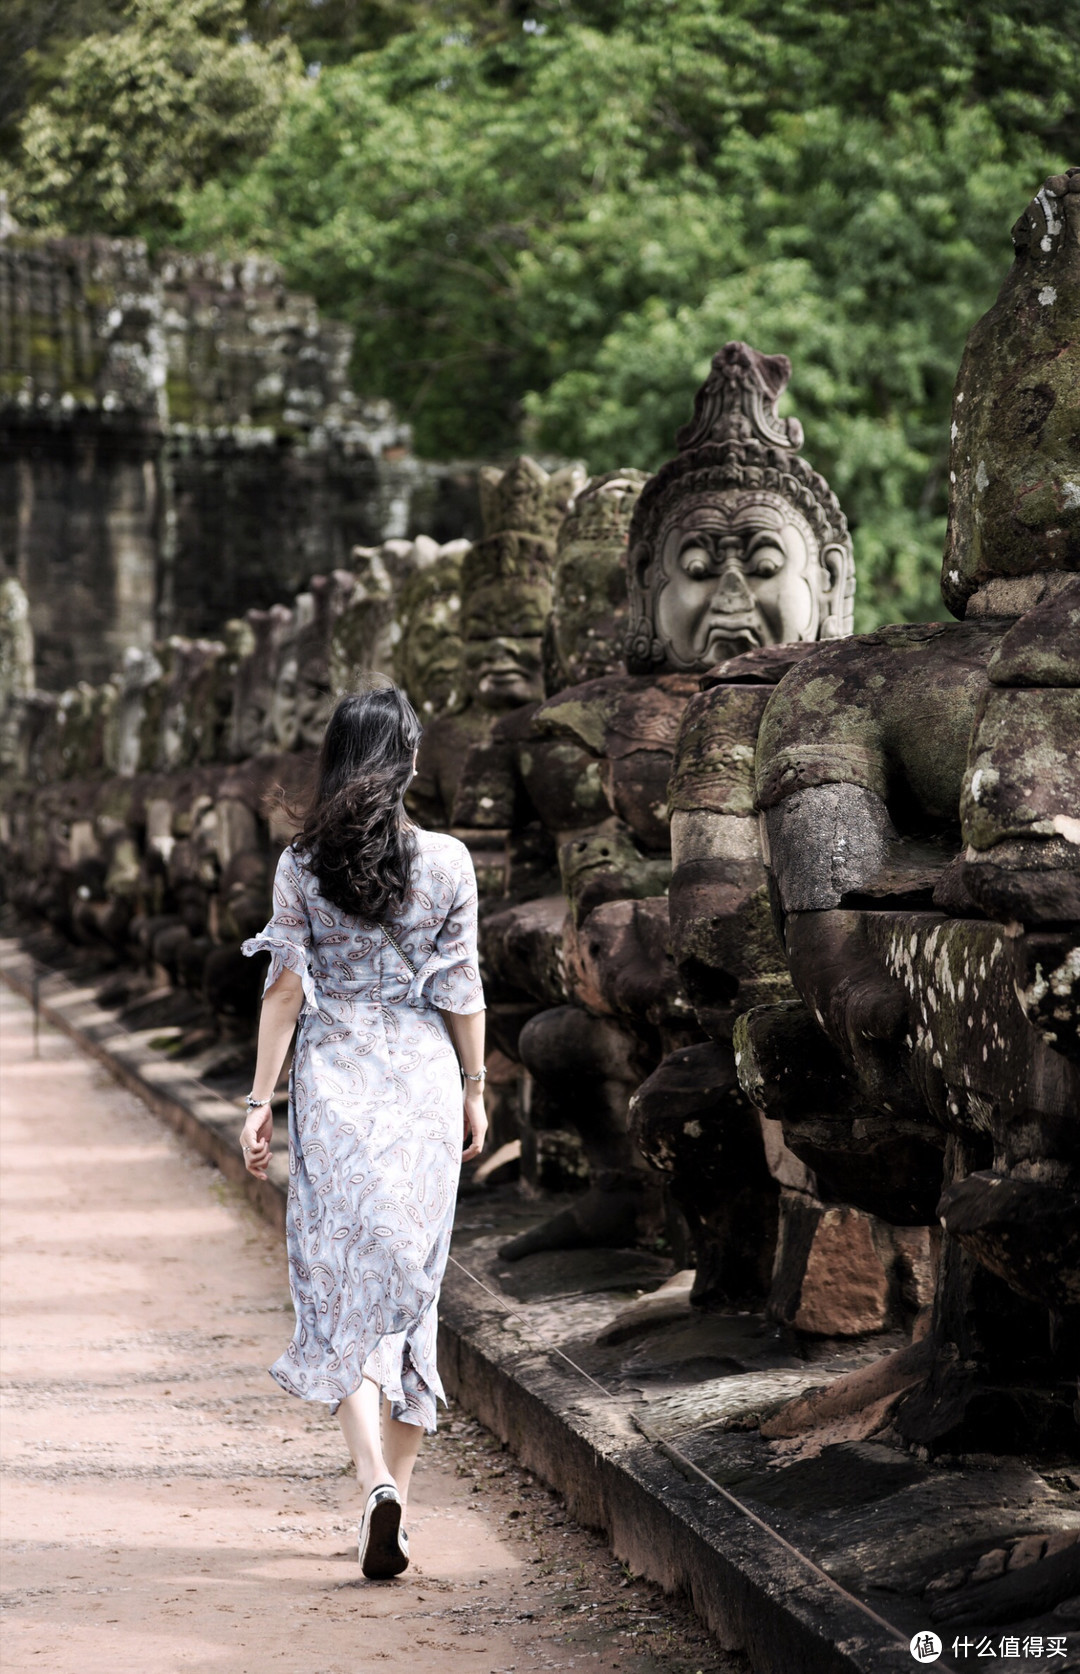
{"x":400,"y":951}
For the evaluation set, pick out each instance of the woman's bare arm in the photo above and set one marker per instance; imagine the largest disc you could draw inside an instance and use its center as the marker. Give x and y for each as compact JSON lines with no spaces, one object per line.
{"x":277,"y":1020}
{"x":467,"y":1034}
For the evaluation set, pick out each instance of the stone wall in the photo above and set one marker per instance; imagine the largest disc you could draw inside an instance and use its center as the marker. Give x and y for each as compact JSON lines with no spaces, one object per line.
{"x":179,"y":443}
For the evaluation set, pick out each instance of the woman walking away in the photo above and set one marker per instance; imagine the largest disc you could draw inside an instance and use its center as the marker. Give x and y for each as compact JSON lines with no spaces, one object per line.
{"x":373,"y":948}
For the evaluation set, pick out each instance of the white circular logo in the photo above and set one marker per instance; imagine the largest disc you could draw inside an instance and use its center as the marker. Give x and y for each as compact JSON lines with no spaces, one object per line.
{"x":926,"y":1646}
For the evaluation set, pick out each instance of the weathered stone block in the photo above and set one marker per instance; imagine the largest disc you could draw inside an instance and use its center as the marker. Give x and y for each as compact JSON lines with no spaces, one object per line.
{"x":829,"y":1279}
{"x":1023,"y":775}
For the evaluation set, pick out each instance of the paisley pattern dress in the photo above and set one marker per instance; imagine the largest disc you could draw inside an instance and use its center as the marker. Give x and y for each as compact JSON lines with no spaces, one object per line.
{"x":375,"y":1125}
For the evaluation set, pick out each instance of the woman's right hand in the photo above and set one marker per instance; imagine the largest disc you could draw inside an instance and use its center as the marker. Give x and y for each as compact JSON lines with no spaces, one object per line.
{"x":255,"y":1138}
{"x":476,"y":1123}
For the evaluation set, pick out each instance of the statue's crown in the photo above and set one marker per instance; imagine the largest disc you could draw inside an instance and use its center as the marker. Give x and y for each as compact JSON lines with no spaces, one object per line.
{"x":737,"y":402}
{"x":525,"y":499}
{"x":602,"y":509}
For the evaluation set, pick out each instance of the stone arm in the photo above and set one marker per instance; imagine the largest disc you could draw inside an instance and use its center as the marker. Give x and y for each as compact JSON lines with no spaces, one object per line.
{"x":860,"y":767}
{"x":723,"y":938}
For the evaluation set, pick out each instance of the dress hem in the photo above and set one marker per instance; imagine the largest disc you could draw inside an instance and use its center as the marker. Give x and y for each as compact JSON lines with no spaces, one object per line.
{"x":399,"y":1409}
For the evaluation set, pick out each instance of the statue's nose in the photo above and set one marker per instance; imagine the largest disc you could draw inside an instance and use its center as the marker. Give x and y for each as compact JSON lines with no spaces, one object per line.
{"x":732,"y":595}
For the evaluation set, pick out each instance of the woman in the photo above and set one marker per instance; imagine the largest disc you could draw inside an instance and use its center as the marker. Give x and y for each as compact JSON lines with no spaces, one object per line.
{"x":373,"y":948}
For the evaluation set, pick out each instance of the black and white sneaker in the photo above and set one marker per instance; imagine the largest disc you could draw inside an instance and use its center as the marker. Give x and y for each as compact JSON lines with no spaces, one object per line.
{"x":384,"y":1550}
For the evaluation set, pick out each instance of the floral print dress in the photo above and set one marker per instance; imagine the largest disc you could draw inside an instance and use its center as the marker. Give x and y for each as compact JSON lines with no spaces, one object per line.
{"x":375,"y":1125}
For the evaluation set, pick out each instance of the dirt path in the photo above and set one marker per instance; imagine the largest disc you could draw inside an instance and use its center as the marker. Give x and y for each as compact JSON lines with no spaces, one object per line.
{"x":167,"y":1507}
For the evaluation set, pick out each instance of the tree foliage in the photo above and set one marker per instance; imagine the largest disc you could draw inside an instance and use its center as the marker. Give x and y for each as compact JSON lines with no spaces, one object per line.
{"x":35,"y":38}
{"x":541,"y":219}
{"x":179,"y":95}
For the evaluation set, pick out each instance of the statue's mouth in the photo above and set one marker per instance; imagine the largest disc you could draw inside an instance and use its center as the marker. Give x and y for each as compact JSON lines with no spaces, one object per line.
{"x":596,"y":863}
{"x":741,"y":631}
{"x":503,"y":675}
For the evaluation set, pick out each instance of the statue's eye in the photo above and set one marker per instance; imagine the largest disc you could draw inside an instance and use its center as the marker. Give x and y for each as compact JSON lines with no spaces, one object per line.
{"x":766,"y":561}
{"x":695,"y":563}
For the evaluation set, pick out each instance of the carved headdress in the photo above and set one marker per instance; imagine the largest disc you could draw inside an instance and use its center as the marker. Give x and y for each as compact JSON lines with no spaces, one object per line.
{"x":736,"y":444}
{"x":587,"y":626}
{"x":506,"y":576}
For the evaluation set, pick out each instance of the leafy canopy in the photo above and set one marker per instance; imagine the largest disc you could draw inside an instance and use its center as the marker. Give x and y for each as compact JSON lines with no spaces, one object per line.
{"x":179,"y":95}
{"x":546,"y":234}
{"x":541,"y":220}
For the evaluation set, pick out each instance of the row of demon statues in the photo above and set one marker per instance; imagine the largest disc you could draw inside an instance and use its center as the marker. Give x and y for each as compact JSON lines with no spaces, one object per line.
{"x":780,"y":926}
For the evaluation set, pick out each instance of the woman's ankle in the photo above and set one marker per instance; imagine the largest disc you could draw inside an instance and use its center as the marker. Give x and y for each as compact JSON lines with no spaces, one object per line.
{"x":374,"y":1478}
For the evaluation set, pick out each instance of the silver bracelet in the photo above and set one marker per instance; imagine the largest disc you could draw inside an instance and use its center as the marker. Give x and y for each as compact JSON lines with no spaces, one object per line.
{"x":256,"y":1104}
{"x":481,"y":1074}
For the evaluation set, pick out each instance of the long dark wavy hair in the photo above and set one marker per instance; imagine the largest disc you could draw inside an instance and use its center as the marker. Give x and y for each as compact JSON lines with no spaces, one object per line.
{"x":354,"y":837}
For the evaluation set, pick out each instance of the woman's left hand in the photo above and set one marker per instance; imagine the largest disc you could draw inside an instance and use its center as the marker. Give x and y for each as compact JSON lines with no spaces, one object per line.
{"x":476,"y":1124}
{"x":255,"y":1139}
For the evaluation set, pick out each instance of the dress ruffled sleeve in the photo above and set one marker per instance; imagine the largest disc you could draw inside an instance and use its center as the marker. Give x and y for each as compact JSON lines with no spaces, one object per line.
{"x":287,"y":937}
{"x":449,"y":978}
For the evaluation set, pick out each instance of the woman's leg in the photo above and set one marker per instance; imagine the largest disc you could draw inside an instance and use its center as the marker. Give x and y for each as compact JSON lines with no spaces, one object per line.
{"x":401,"y":1444}
{"x":358,"y":1416}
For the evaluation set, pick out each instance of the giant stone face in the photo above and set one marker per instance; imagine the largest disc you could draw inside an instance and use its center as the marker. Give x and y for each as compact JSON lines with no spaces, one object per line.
{"x":736,"y":543}
{"x":733,"y":573}
{"x":504,"y":671}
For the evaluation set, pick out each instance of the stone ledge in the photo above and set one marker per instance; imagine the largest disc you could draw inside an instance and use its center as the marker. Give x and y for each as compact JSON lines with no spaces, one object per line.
{"x":749,"y":1592}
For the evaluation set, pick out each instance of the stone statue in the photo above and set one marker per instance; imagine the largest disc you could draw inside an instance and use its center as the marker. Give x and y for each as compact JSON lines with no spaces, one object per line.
{"x":920,"y":793}
{"x":737,"y":543}
{"x":587,"y":625}
{"x":544,"y":789}
{"x":254,"y":683}
{"x":367,"y":634}
{"x":427,"y":654}
{"x":507,"y":579}
{"x":746,"y":557}
{"x":303,"y":689}
{"x":546,"y":792}
{"x":505,"y":601}
{"x":733,"y":544}
{"x":123,"y":739}
{"x":16,"y":675}
{"x":186,"y":708}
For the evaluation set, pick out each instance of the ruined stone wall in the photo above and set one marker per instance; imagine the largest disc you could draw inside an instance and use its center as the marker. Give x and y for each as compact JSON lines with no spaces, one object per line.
{"x":179,"y":443}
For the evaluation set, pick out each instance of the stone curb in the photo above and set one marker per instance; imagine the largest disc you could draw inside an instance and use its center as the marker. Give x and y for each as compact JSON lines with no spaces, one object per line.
{"x":750,"y":1592}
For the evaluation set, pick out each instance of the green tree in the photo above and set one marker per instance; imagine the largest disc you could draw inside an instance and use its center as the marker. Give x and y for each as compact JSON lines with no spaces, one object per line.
{"x":542,"y":216}
{"x":179,"y":95}
{"x":35,"y":38}
{"x":545,"y":233}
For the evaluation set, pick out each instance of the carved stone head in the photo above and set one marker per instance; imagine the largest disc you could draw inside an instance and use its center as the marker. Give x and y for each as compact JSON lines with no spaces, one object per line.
{"x":736,"y":543}
{"x":427,"y":657}
{"x":504,"y":670}
{"x":587,"y":625}
{"x":254,"y":687}
{"x":16,"y":670}
{"x":302,"y":697}
{"x":138,"y":675}
{"x":506,"y":582}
